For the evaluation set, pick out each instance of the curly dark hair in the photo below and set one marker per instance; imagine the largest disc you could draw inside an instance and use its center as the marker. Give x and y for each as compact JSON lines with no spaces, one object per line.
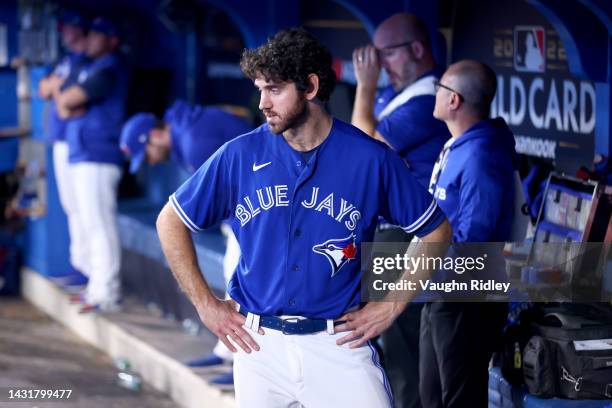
{"x":291,"y":55}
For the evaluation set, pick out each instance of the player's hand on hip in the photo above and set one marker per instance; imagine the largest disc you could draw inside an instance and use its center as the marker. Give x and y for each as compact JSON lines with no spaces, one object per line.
{"x":221,"y":318}
{"x":366,"y":66}
{"x":368,"y":322}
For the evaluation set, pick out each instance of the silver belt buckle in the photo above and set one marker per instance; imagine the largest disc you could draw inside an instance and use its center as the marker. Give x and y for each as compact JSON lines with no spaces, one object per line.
{"x":286,"y":322}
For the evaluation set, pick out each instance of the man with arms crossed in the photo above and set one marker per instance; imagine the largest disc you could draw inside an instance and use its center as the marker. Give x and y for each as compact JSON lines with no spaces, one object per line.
{"x":95,"y":104}
{"x":303,"y":191}
{"x":74,"y":37}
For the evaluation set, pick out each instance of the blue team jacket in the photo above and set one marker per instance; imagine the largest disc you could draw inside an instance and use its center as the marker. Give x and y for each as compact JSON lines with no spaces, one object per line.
{"x":476,"y":187}
{"x":94,"y":136}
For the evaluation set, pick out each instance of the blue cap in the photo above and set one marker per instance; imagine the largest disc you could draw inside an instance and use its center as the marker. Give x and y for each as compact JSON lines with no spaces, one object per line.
{"x":104,"y":26}
{"x":135,"y":136}
{"x":73,"y":18}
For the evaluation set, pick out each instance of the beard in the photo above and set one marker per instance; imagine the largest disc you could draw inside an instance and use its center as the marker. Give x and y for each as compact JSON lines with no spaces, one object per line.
{"x":400,"y":80}
{"x":293,"y":118}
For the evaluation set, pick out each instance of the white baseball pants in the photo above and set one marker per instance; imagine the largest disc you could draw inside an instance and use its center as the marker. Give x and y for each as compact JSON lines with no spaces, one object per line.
{"x":95,"y":187}
{"x":65,"y":188}
{"x":309,"y":371}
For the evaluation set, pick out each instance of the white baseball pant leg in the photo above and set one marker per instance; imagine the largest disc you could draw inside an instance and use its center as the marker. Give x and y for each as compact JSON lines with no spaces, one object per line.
{"x":96,"y":195}
{"x":230,"y":261}
{"x":310,"y":371}
{"x":65,"y":188}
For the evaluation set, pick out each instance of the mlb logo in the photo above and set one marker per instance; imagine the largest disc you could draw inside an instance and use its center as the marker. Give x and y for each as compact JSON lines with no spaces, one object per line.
{"x":529,"y":49}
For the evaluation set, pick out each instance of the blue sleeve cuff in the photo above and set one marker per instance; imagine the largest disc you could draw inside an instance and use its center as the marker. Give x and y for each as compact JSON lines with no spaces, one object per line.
{"x":422,"y":220}
{"x":429,"y":221}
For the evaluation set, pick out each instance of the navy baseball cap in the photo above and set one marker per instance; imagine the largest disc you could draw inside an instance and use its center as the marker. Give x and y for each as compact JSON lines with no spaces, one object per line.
{"x":135,"y":136}
{"x":104,"y":26}
{"x":70,"y":17}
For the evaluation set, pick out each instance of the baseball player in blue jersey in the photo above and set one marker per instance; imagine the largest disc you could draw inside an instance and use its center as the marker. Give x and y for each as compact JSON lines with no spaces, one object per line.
{"x":472,"y":181}
{"x":189,"y":134}
{"x":94,"y":105}
{"x":74,"y":38}
{"x":302,"y":192}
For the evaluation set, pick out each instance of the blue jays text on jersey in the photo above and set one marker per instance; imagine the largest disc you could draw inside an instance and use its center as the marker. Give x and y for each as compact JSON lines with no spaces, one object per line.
{"x":299,"y":223}
{"x":275,"y":196}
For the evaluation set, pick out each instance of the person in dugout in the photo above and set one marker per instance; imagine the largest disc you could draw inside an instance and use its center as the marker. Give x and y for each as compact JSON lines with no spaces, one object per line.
{"x":401,"y":115}
{"x":188,"y":135}
{"x":94,"y":108}
{"x":470,"y":183}
{"x":73,"y":28}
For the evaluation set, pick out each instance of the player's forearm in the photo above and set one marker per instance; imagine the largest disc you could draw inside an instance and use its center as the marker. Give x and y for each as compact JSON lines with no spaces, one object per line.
{"x":363,"y":110}
{"x":71,"y":99}
{"x":178,"y":248}
{"x":44,"y":89}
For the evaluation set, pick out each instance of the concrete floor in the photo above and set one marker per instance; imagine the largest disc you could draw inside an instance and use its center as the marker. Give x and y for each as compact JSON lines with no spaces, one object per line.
{"x":38,"y":352}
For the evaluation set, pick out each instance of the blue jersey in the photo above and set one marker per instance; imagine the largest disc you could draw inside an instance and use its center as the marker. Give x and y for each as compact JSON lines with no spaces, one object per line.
{"x":412,"y":130}
{"x":197,"y":132}
{"x":94,"y":136}
{"x":67,"y":69}
{"x":474,"y":187}
{"x":300,"y":223}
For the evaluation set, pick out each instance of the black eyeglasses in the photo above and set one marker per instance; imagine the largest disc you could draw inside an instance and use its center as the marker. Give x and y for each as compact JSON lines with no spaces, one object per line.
{"x":438,"y":85}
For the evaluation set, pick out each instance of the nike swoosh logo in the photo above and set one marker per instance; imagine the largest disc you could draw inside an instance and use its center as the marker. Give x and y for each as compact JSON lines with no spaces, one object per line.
{"x":260,"y":166}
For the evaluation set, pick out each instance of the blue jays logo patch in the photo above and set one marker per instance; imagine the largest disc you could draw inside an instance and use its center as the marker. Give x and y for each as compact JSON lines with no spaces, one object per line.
{"x":337,"y":251}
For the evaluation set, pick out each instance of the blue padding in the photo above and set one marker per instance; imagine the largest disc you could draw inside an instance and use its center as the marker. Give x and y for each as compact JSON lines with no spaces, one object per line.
{"x":9,"y":151}
{"x":38,"y":114}
{"x":137,"y":233}
{"x":8,"y":94}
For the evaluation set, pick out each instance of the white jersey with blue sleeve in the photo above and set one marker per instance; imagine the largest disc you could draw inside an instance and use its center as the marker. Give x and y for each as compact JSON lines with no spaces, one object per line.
{"x":300,"y":224}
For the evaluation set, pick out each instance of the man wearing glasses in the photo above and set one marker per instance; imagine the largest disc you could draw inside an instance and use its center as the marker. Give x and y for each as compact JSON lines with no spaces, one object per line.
{"x":401,"y":116}
{"x":470,"y":182}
